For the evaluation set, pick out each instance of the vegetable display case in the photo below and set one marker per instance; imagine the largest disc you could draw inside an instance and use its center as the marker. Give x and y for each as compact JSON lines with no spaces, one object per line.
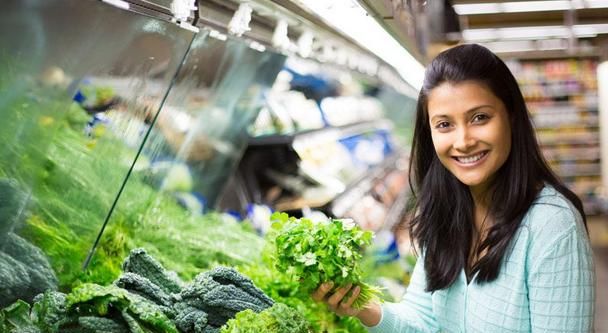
{"x":118,"y":129}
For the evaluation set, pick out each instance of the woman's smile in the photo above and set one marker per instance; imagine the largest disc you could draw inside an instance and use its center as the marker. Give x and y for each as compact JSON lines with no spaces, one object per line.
{"x":472,"y":160}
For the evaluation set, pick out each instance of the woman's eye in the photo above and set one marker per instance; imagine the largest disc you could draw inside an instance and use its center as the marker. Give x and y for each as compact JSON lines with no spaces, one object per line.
{"x":442,"y":124}
{"x":480,"y":117}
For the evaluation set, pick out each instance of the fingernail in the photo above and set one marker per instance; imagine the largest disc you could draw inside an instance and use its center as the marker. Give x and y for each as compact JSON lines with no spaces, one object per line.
{"x":357,"y":289}
{"x":329,"y":284}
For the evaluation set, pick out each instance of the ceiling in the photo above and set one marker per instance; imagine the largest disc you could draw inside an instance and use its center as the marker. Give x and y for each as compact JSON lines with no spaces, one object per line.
{"x":560,"y":28}
{"x":555,"y":31}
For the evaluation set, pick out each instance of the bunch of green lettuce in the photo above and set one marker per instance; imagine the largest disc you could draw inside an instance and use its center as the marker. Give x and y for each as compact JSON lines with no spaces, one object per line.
{"x":317,"y":252}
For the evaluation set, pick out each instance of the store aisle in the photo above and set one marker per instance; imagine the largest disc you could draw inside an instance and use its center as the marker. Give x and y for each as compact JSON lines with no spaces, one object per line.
{"x":598,"y":230}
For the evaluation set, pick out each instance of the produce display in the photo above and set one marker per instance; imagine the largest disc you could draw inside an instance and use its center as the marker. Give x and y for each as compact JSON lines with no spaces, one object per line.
{"x":148,"y":298}
{"x":70,"y":181}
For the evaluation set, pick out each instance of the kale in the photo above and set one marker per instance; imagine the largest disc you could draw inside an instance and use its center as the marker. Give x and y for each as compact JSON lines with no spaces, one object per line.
{"x":102,"y":325}
{"x":13,"y":277}
{"x":223,"y":292}
{"x":49,"y":311}
{"x":190,"y":319}
{"x":12,"y":203}
{"x":41,"y":276}
{"x":139,"y":262}
{"x":91,"y":299}
{"x":140,"y":285}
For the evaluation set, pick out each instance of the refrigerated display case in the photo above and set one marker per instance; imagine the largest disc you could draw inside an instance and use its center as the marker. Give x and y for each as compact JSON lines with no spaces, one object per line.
{"x":68,"y":170}
{"x":90,"y":168}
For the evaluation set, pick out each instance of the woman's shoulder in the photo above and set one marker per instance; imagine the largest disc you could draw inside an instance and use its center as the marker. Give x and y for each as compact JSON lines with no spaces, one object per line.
{"x":552,"y":216}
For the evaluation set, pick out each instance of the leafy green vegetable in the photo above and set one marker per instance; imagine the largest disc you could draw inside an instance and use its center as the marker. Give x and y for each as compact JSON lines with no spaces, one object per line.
{"x":277,"y":319}
{"x":17,"y":315}
{"x":221,"y":293}
{"x":142,"y":264}
{"x":316,"y":252}
{"x":49,"y":311}
{"x":102,"y":325}
{"x":12,"y":202}
{"x":96,"y":300}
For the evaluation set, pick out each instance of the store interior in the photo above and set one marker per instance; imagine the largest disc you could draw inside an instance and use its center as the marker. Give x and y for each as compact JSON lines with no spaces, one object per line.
{"x":173,"y":130}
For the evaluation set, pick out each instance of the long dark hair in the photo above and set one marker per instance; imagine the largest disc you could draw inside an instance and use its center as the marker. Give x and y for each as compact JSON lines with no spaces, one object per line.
{"x":443,"y":211}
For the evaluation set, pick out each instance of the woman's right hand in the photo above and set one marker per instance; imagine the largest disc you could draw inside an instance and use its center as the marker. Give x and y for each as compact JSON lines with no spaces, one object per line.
{"x":337,"y":302}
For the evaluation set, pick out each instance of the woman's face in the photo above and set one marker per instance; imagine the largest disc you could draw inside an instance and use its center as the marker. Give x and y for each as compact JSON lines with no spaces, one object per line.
{"x":471,"y":131}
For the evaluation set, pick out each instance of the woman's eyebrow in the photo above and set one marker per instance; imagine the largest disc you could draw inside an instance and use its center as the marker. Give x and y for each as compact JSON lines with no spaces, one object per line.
{"x":446,"y":116}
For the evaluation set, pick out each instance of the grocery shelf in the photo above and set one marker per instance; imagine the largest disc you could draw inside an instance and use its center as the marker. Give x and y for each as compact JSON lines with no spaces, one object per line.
{"x":357,"y":189}
{"x":338,"y":205}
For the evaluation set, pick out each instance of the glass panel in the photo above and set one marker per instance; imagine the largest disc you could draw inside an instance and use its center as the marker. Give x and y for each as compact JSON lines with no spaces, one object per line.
{"x":70,"y":91}
{"x":198,"y":138}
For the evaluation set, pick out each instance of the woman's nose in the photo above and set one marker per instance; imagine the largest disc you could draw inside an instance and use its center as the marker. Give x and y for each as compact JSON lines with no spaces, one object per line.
{"x":464,"y":140}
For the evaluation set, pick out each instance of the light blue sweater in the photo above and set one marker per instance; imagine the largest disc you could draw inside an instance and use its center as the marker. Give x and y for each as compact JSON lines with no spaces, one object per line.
{"x":546,"y":283}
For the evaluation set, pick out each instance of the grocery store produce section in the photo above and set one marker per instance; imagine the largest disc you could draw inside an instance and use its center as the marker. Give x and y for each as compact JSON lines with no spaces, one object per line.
{"x":121,"y":130}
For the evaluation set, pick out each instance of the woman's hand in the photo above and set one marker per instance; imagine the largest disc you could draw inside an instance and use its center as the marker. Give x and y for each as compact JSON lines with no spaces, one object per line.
{"x":369,"y":315}
{"x":337,"y":302}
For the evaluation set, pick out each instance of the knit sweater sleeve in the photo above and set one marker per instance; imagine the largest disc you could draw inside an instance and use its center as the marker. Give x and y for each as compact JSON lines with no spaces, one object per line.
{"x":412,"y":315}
{"x":561,"y":277}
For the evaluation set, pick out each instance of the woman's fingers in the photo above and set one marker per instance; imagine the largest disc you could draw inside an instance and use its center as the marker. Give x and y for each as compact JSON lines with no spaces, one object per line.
{"x":345,"y":306}
{"x":319,"y":294}
{"x":337,"y":297}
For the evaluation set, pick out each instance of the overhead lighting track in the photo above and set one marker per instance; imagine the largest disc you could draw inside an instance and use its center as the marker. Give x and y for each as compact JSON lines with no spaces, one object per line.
{"x":534,"y":32}
{"x":527,"y":6}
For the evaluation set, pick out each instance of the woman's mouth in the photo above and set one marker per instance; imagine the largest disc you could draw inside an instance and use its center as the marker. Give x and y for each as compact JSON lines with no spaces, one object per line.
{"x":471,"y":159}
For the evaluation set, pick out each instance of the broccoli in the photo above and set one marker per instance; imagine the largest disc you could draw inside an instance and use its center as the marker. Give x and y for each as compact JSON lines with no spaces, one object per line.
{"x":140,"y":285}
{"x":139,"y":262}
{"x":12,"y":203}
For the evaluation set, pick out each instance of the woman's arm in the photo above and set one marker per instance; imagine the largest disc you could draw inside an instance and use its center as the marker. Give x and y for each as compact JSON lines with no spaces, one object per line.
{"x":561,"y":282}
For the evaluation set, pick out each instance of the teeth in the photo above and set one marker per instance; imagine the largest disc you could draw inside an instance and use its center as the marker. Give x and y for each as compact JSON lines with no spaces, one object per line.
{"x":470,"y":159}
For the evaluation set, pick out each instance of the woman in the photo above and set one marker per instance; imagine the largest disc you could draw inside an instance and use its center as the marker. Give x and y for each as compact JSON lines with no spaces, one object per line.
{"x":503,"y":242}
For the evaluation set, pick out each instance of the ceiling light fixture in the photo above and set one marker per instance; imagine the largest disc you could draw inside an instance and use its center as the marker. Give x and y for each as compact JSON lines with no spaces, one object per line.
{"x":351,"y":19}
{"x":527,"y":6}
{"x":533,"y":32}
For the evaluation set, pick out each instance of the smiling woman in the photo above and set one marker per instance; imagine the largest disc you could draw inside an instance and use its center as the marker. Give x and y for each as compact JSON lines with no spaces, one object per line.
{"x":503,"y":242}
{"x":471,"y":132}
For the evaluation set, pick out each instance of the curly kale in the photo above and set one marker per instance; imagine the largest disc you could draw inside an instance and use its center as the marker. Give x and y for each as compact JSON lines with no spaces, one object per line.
{"x":277,"y":319}
{"x":139,"y":262}
{"x":140,"y":285}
